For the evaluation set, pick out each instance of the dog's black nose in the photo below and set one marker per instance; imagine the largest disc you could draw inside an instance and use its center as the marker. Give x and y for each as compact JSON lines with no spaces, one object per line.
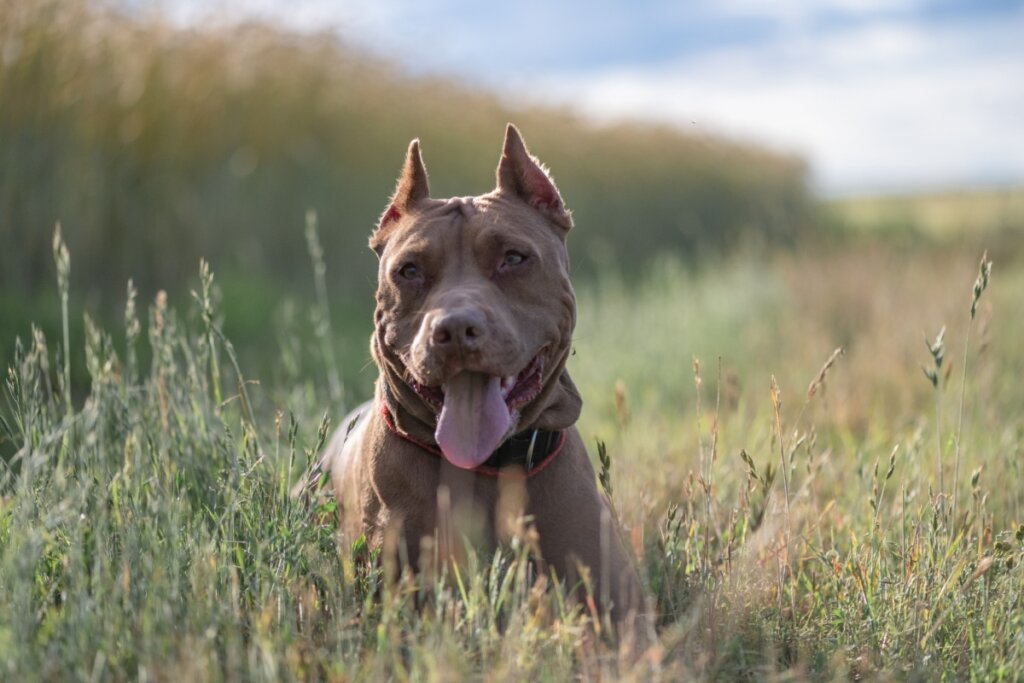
{"x":459,"y":328}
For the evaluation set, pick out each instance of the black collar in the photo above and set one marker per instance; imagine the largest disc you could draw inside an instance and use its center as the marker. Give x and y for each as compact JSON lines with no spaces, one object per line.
{"x":529,"y":450}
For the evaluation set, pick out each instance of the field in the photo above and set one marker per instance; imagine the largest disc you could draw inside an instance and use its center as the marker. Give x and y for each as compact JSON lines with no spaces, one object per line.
{"x":807,"y":414}
{"x":939,"y":216}
{"x":792,"y":520}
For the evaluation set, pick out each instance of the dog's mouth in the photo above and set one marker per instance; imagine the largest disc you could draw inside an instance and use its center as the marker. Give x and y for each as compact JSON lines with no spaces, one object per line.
{"x":516,"y":390}
{"x":477,"y":410}
{"x":520,"y":389}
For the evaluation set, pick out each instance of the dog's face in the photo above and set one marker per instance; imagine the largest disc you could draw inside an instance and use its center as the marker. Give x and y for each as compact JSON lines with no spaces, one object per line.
{"x":475,"y":311}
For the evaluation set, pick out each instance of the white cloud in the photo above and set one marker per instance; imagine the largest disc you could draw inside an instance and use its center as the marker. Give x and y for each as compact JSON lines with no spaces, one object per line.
{"x":884,"y":106}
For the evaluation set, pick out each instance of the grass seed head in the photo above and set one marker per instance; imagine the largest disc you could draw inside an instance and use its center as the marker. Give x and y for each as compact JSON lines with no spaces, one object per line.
{"x":981,"y":282}
{"x":819,"y":381}
{"x":605,"y":476}
{"x":62,"y":258}
{"x":937,"y":349}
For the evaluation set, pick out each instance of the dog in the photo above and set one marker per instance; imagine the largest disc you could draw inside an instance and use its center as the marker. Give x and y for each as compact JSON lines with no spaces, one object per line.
{"x":472,"y":422}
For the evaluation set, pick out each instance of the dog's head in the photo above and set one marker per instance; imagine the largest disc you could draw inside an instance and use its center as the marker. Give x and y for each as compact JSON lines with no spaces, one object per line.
{"x":475,"y":311}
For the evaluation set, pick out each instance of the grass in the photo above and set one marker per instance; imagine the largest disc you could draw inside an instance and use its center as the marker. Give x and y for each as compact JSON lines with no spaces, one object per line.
{"x":146,"y":531}
{"x":937,"y":215}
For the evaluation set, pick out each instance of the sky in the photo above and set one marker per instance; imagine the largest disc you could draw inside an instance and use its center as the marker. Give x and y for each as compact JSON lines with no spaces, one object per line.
{"x":877,"y":95}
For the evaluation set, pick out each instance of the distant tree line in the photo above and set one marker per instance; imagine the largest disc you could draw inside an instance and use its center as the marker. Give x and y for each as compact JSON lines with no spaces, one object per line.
{"x":155,"y":146}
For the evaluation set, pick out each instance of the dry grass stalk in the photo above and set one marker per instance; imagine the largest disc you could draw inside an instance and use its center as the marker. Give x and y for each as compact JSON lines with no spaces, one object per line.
{"x":819,"y":381}
{"x":980,"y":285}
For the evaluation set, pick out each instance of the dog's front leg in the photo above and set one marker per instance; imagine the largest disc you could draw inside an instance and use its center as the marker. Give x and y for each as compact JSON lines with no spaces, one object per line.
{"x":576,"y":528}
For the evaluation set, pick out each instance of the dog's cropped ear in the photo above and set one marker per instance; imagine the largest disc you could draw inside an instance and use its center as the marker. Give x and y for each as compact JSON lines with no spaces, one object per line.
{"x":520,"y":173}
{"x":411,"y":189}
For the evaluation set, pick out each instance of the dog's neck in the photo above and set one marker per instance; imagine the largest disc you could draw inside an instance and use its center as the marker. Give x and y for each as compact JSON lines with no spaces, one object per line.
{"x":557,"y":406}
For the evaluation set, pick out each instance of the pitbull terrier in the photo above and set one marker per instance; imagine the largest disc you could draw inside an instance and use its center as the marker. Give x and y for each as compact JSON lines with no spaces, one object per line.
{"x":474,"y":411}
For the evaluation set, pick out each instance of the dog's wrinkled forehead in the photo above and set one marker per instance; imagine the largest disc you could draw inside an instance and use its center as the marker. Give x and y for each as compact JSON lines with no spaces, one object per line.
{"x":468,"y":240}
{"x":465,"y":206}
{"x":471,"y":225}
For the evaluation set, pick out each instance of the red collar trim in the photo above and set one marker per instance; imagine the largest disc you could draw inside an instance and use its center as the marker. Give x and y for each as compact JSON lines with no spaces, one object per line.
{"x":485,"y":470}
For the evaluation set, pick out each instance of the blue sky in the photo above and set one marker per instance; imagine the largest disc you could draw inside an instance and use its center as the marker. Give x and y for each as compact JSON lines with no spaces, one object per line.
{"x":878,"y":95}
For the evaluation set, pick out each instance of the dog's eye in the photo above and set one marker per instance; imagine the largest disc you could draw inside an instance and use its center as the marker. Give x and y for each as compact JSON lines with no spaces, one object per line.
{"x":409,"y":271}
{"x":513,"y":258}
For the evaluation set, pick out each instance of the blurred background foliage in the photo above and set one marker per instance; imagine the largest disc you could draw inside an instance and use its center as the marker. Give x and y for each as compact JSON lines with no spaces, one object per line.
{"x":155,"y":145}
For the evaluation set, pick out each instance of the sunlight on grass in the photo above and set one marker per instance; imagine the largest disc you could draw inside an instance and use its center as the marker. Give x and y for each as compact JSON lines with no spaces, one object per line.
{"x":148,"y":531}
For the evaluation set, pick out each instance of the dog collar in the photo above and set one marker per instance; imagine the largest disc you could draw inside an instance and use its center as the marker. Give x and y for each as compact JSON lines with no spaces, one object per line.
{"x":528,"y":452}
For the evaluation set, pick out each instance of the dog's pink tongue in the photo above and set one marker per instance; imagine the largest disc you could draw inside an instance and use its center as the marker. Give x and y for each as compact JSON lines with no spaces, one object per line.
{"x":473,"y":420}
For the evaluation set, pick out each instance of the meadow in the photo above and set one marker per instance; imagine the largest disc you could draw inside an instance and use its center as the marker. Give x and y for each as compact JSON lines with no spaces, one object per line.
{"x":807,"y":414}
{"x":798,"y":513}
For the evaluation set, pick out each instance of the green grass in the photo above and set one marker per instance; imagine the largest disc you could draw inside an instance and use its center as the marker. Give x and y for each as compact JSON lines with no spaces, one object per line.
{"x":146,"y":531}
{"x":938,"y":215}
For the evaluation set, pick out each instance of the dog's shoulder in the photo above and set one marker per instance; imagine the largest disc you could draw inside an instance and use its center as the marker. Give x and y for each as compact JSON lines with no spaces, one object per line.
{"x":332,"y":460}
